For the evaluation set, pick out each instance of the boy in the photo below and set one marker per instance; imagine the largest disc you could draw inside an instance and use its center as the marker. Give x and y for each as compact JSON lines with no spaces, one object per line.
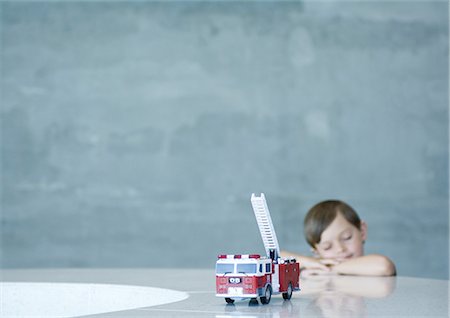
{"x":337,"y":236}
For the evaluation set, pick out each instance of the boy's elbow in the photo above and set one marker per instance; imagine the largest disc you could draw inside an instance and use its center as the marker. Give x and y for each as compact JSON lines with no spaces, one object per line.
{"x":387,"y":267}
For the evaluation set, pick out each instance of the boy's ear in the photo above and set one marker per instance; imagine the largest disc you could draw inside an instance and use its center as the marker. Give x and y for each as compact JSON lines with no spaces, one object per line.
{"x":363,"y":231}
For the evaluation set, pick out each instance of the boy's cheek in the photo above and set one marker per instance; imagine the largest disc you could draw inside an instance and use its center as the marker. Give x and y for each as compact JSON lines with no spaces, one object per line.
{"x":358,"y":250}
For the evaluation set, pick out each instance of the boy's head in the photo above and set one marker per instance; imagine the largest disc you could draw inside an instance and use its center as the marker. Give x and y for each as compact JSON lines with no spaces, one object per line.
{"x":334,"y":230}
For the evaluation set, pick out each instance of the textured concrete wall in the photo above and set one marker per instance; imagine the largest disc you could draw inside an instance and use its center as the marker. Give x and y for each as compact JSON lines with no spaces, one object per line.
{"x":134,"y":133}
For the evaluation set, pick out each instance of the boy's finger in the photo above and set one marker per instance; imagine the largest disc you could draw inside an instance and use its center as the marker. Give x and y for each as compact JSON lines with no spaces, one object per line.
{"x":329,"y":261}
{"x":323,"y":267}
{"x":319,"y":266}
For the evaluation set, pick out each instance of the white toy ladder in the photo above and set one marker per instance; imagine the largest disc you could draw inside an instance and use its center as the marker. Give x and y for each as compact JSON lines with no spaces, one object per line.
{"x":265,"y":225}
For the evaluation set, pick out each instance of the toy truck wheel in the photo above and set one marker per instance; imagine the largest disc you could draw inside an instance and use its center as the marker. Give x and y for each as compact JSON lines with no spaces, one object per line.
{"x":288,"y":294}
{"x":229,"y":300}
{"x":253,"y":302}
{"x":267,"y":295}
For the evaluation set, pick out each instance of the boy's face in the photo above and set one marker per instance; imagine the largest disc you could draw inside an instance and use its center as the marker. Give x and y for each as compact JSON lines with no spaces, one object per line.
{"x":341,"y":240}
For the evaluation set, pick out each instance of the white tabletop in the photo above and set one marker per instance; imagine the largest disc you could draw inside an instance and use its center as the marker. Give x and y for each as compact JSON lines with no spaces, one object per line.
{"x":191,"y":293}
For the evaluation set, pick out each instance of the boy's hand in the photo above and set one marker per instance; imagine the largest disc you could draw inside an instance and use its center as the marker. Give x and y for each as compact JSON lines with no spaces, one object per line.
{"x":315,"y":266}
{"x":330,"y":261}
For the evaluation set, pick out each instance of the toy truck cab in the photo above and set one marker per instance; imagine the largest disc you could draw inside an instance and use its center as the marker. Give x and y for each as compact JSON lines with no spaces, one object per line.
{"x":242,"y":276}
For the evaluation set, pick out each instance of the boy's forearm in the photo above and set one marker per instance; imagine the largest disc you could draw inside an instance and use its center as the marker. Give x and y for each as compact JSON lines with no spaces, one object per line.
{"x":369,"y":265}
{"x":289,"y":254}
{"x":298,"y":257}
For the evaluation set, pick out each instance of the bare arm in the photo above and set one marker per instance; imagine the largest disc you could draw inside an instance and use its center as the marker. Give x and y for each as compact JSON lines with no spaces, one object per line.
{"x":310,"y":265}
{"x":369,"y":265}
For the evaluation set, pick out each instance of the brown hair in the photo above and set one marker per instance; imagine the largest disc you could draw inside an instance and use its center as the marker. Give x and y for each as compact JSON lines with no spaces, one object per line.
{"x":321,"y":215}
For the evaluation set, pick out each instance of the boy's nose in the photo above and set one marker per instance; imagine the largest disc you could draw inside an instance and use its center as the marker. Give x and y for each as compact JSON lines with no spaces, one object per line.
{"x":340,"y":247}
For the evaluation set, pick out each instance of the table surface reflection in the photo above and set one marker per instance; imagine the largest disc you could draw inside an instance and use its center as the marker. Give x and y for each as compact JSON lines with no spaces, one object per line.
{"x":326,"y":296}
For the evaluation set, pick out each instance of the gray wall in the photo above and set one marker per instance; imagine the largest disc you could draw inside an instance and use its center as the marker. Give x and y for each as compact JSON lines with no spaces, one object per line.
{"x":134,"y":133}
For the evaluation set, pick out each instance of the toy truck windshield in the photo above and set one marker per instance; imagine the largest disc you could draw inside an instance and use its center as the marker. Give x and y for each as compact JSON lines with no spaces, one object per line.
{"x":224,"y":268}
{"x":246,"y":268}
{"x":243,"y":268}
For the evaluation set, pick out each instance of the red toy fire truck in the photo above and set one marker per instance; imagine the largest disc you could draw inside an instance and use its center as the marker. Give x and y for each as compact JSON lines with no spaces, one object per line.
{"x":252,"y":276}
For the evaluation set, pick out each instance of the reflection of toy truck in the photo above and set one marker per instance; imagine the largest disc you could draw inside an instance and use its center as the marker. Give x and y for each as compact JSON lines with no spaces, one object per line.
{"x":253,"y":276}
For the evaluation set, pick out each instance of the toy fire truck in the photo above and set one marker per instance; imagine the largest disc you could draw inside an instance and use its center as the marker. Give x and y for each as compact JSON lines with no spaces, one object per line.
{"x":251,"y":275}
